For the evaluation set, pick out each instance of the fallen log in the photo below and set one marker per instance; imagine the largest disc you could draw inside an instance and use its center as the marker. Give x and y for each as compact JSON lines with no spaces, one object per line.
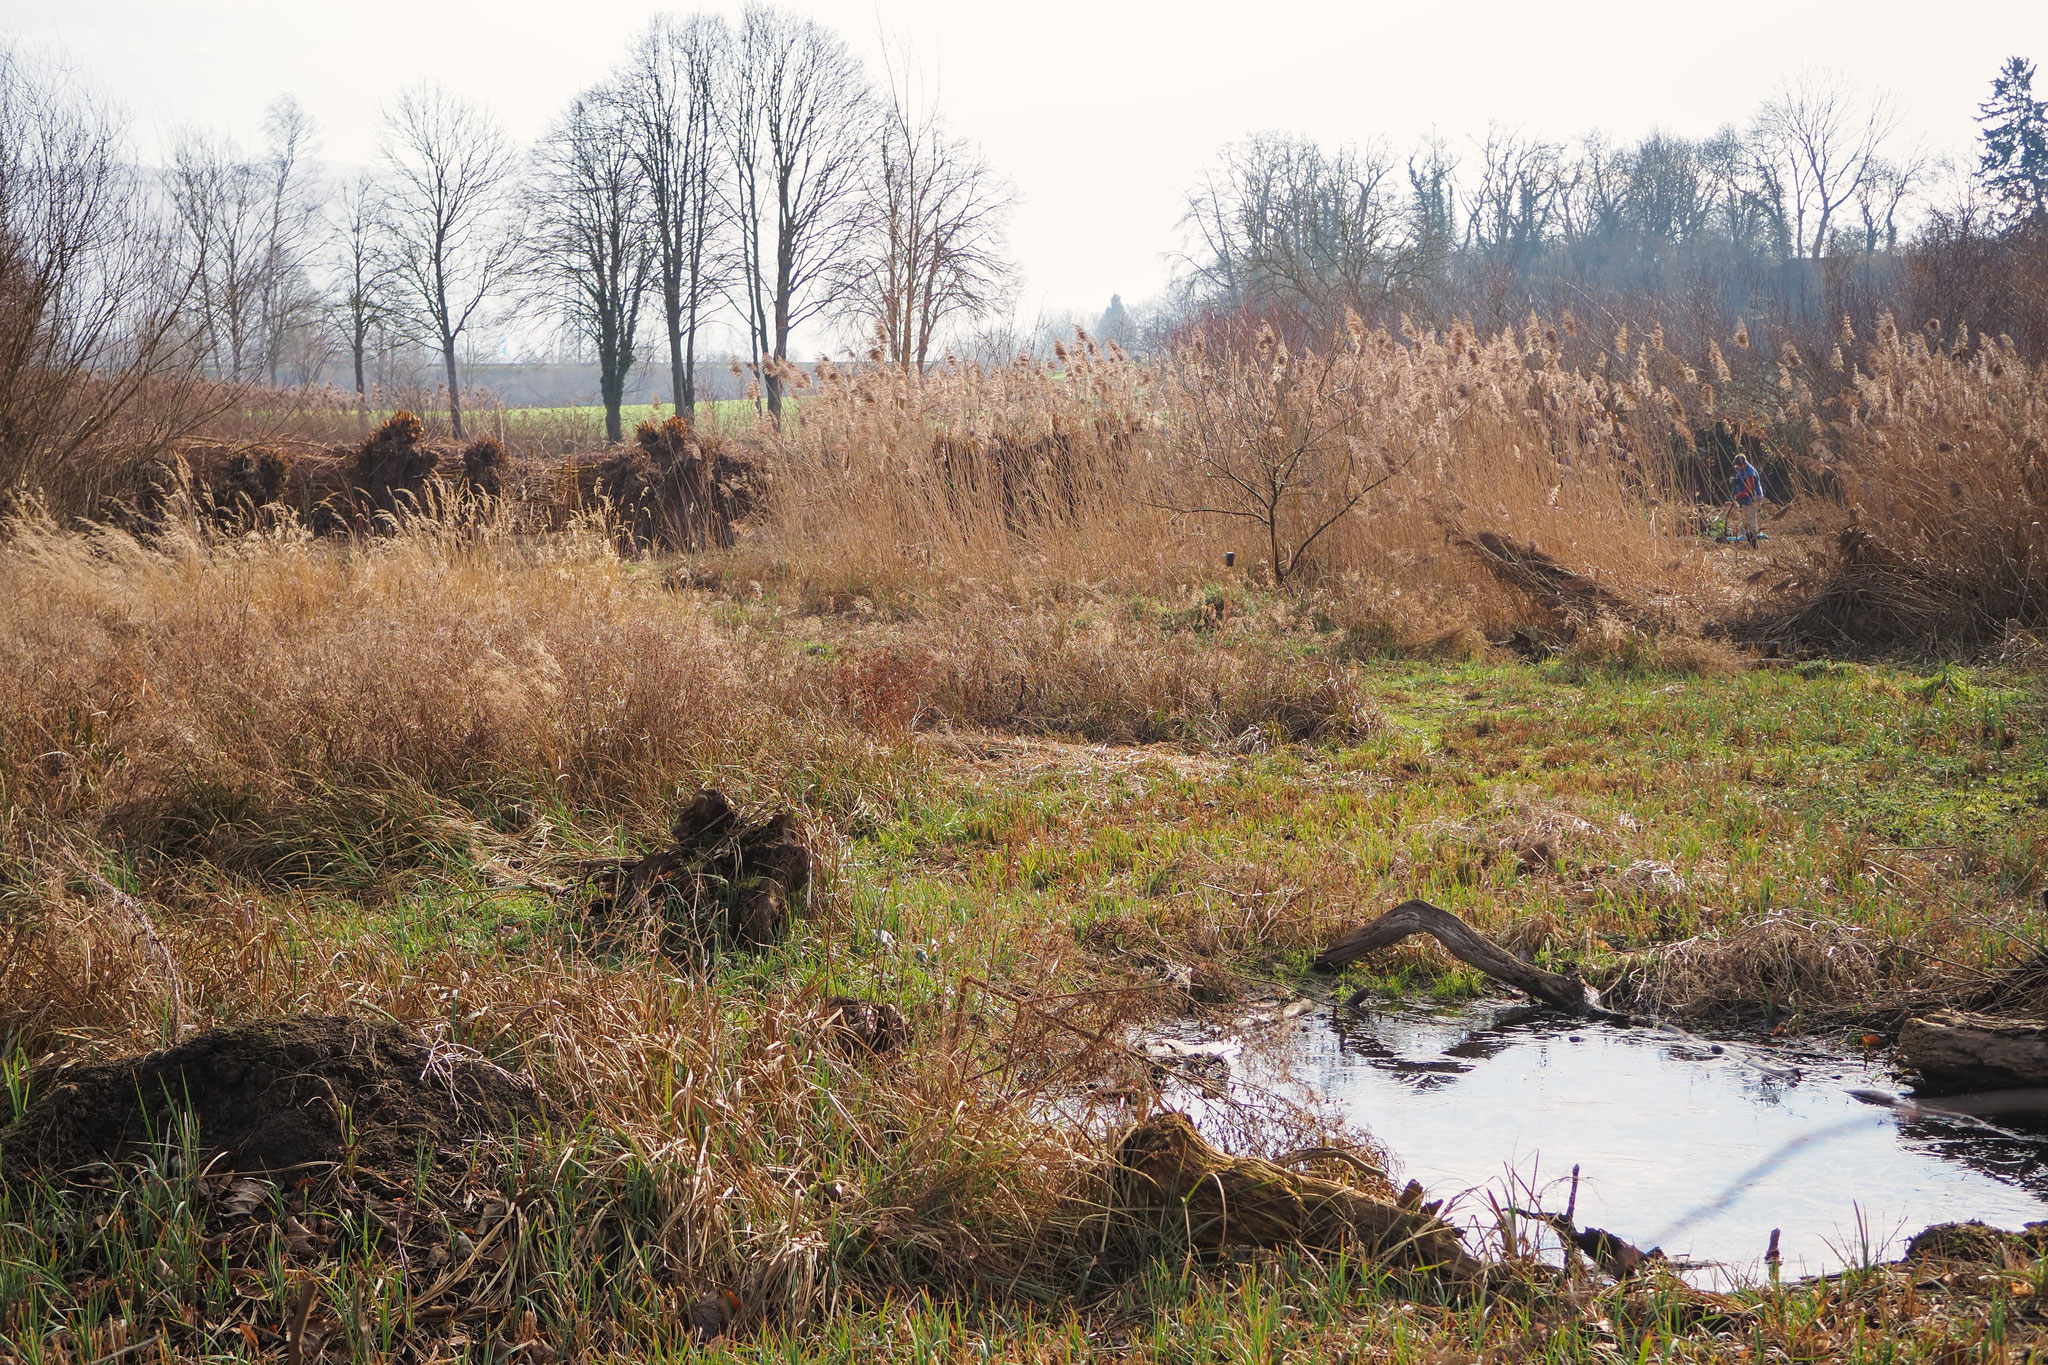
{"x":1955,"y":1051}
{"x":1467,"y":945}
{"x":1170,"y":1175}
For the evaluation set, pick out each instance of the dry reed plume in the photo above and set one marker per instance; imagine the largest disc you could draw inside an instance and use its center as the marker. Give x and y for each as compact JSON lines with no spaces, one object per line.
{"x":1368,"y":464}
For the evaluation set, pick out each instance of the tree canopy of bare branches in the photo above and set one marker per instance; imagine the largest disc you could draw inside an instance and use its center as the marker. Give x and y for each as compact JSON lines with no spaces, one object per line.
{"x":358,"y":299}
{"x":667,"y":93}
{"x":589,"y":250}
{"x":454,"y":237}
{"x":93,"y":336}
{"x":246,"y":224}
{"x":1283,"y":217}
{"x":1821,"y":143}
{"x":930,"y":251}
{"x":799,"y":124}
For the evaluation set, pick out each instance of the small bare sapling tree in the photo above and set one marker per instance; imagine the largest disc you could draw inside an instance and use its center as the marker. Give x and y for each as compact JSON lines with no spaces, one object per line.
{"x":1283,"y":440}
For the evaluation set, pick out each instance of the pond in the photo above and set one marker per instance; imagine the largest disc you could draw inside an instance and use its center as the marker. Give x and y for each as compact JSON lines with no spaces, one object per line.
{"x":1701,"y":1146}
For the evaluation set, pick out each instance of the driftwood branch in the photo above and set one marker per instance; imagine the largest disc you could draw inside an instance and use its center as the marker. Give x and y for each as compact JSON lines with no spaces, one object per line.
{"x":1467,"y":945}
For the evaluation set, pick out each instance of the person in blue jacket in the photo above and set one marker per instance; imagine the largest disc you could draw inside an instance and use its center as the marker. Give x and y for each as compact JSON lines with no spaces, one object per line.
{"x":1746,"y":488}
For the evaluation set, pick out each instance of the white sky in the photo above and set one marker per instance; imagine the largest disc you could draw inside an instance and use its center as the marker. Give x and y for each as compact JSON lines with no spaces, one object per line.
{"x":1103,"y":113}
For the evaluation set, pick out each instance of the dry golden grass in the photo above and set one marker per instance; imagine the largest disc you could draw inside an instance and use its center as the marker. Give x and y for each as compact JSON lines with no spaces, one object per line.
{"x":1096,"y":470}
{"x":1942,"y":450}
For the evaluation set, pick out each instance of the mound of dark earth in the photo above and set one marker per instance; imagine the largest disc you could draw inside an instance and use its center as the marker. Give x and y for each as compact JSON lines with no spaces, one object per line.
{"x":274,"y":1096}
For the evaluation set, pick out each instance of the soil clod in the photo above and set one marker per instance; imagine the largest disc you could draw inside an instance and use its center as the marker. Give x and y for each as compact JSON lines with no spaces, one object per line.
{"x":273,"y":1096}
{"x":1168,"y":1172}
{"x":1979,"y":1243}
{"x":854,"y":1025}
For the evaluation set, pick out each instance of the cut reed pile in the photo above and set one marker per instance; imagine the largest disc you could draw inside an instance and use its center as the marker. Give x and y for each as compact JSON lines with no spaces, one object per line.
{"x":1941,"y":447}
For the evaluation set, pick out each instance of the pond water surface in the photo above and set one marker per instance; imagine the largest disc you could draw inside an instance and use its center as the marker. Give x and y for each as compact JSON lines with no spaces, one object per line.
{"x":1700,"y":1146}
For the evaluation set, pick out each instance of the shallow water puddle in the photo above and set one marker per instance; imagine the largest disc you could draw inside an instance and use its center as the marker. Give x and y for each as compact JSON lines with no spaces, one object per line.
{"x":1700,"y":1147}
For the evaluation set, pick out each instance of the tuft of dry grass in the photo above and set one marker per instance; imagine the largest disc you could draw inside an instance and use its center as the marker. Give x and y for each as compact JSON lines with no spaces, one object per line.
{"x":280,"y":704}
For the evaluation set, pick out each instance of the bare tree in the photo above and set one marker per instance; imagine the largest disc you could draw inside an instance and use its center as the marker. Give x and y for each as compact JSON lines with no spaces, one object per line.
{"x":668,"y":94}
{"x":930,"y":251}
{"x":1521,"y":183}
{"x":93,"y":335}
{"x":1820,"y":142}
{"x":358,"y":305}
{"x":1882,"y":197}
{"x":218,"y":197}
{"x":798,"y":127}
{"x":1282,"y":218}
{"x":454,"y":237}
{"x":589,"y":252}
{"x":1287,"y":441}
{"x":246,"y":223}
{"x":286,"y":297}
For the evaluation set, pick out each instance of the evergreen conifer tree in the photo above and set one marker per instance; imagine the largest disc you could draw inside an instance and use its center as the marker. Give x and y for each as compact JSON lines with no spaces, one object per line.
{"x":2014,"y":166}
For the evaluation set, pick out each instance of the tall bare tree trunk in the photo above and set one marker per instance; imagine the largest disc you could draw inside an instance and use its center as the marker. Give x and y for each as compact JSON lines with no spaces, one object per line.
{"x":454,"y":388}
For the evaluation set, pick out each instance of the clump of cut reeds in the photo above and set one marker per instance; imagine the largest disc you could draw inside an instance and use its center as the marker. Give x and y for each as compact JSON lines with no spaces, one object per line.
{"x":1941,"y":448}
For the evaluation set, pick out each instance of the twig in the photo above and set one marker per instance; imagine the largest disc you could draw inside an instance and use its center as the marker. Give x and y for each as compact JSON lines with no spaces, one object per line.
{"x":295,"y":1330}
{"x":163,"y":954}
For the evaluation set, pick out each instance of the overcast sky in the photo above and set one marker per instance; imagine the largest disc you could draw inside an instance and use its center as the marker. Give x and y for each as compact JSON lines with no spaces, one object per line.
{"x":1101,"y":112}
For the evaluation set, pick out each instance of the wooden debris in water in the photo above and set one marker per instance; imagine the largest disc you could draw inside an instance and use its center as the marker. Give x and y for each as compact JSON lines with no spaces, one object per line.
{"x":1954,"y":1051}
{"x":1467,"y":945}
